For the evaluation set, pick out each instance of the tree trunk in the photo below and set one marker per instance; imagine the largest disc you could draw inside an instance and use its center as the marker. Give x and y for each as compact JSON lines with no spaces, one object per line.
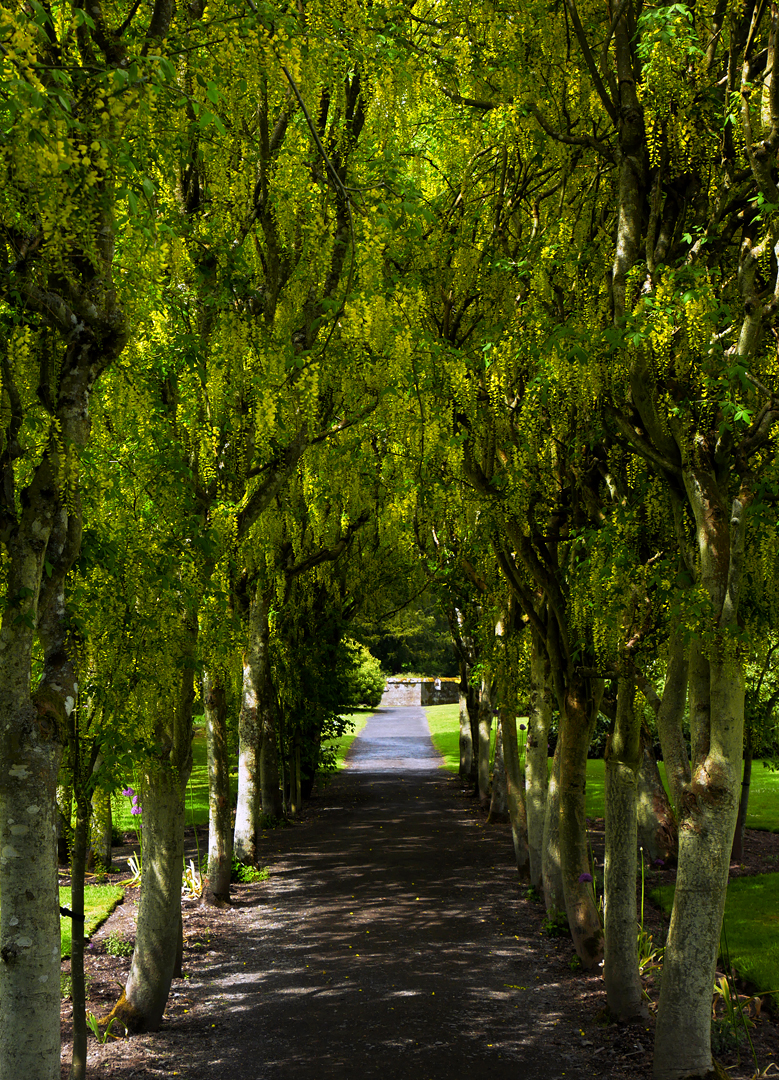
{"x":551,"y":870}
{"x":485,"y":725}
{"x":220,"y":846}
{"x":101,"y":827}
{"x":620,"y":964}
{"x":269,"y":755}
{"x":78,"y":1065}
{"x":576,"y":724}
{"x":499,"y":798}
{"x":657,"y":831}
{"x":247,"y":814}
{"x":29,"y":915}
{"x":515,"y":784}
{"x":743,"y":804}
{"x":64,"y":815}
{"x":466,"y":740}
{"x":145,"y":996}
{"x":708,"y":805}
{"x":706,"y":827}
{"x":163,"y":803}
{"x":537,"y":758}
{"x":472,"y":700}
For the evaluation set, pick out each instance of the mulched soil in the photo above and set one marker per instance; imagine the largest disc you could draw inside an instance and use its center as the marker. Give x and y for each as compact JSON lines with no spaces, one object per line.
{"x":391,"y":940}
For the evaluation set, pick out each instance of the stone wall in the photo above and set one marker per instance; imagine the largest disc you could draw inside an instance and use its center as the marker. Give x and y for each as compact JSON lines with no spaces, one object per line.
{"x":403,"y":692}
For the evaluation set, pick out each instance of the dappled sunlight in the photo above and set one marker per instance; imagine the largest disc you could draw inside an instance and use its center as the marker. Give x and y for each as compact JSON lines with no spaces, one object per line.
{"x":388,"y":924}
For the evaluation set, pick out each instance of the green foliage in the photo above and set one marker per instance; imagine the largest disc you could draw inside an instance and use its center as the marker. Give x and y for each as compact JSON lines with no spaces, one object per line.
{"x":338,"y":748}
{"x":363,"y":678}
{"x":750,"y":919}
{"x":248,"y":875}
{"x":99,"y":902}
{"x":555,"y":924}
{"x":118,"y":946}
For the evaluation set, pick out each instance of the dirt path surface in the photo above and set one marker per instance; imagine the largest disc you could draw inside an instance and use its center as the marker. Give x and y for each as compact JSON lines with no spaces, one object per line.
{"x":389,"y":941}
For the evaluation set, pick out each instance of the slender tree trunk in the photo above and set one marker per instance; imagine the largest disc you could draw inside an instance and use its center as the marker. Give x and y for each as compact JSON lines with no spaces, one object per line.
{"x":466,"y":740}
{"x":706,"y":828}
{"x":64,"y":815}
{"x":499,"y":797}
{"x":657,"y":831}
{"x":575,"y":732}
{"x":220,"y":845}
{"x":473,"y":699}
{"x":551,"y":869}
{"x":515,"y":784}
{"x":743,"y":804}
{"x":29,"y":914}
{"x":247,"y":813}
{"x":620,"y":964}
{"x":537,"y":758}
{"x":145,"y":995}
{"x":269,"y":755}
{"x":163,"y":802}
{"x":78,"y":1066}
{"x":101,"y":826}
{"x":485,"y":725}
{"x":708,"y":805}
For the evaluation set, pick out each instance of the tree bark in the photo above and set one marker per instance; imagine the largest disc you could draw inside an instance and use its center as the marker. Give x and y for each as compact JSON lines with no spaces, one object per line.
{"x":466,"y":740}
{"x":537,"y":758}
{"x":515,"y":784}
{"x":78,"y":1065}
{"x":499,"y":797}
{"x":101,"y":826}
{"x":220,"y":841}
{"x":551,"y":870}
{"x":709,"y":803}
{"x":576,"y":723}
{"x":657,"y":831}
{"x":163,"y":802}
{"x":247,"y":814}
{"x":620,"y":963}
{"x":485,"y":725}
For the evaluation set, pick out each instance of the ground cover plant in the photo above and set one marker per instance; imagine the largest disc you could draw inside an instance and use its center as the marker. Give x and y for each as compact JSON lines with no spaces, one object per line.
{"x":749,"y":936}
{"x":99,"y":902}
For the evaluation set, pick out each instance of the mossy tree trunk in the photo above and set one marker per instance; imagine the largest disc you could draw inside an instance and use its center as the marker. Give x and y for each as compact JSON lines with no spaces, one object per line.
{"x":620,"y":964}
{"x":220,"y":840}
{"x":163,"y":802}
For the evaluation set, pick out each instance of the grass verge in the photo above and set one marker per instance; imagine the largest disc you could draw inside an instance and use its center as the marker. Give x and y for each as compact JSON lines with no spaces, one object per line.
{"x":358,"y":720}
{"x":444,"y":721}
{"x":99,"y":902}
{"x":750,"y":929}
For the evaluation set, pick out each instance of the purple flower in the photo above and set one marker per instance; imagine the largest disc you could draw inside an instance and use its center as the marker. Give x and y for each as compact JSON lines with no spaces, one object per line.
{"x":136,"y":810}
{"x":583,"y":878}
{"x":135,"y":800}
{"x":659,"y":862}
{"x":521,"y":727}
{"x":128,"y":791}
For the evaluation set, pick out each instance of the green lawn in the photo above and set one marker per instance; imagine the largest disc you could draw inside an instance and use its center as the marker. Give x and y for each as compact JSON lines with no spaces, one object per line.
{"x":358,"y":719}
{"x":197,"y":789}
{"x":99,"y":902}
{"x":751,"y":928}
{"x":444,"y":721}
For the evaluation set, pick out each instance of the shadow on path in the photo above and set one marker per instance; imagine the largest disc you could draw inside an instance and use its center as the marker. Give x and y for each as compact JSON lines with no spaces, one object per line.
{"x":392,"y":943}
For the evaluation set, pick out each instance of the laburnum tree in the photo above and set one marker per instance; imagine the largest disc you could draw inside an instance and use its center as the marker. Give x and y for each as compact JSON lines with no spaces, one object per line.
{"x":75,"y":85}
{"x":652,"y":288}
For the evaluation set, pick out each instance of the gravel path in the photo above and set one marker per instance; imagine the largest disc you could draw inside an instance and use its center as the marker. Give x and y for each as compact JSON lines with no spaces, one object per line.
{"x":387,"y":948}
{"x":391,"y":941}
